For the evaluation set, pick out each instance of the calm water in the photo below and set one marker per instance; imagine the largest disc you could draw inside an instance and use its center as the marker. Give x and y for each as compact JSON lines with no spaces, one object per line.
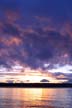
{"x":35,"y":98}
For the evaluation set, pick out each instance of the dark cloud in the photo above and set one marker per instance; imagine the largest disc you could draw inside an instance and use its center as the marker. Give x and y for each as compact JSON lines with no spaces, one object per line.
{"x":10,"y":29}
{"x":33,"y":45}
{"x":45,"y":54}
{"x":35,"y":38}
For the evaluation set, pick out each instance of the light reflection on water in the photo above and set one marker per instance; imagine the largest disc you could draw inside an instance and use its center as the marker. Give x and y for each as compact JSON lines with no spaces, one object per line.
{"x":35,"y":98}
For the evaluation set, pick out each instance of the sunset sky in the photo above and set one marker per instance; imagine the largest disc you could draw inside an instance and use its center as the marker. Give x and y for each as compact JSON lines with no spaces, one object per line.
{"x":36,"y":34}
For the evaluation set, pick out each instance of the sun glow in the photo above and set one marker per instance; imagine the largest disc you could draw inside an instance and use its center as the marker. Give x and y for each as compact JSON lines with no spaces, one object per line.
{"x":18,"y":74}
{"x":30,"y":79}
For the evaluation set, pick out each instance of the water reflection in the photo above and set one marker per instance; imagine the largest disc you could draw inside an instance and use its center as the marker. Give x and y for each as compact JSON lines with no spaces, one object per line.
{"x":35,"y":98}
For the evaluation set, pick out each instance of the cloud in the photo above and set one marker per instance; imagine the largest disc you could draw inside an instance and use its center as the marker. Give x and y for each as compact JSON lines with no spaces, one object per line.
{"x":12,"y":16}
{"x":64,"y":69}
{"x":34,"y":45}
{"x":10,"y":29}
{"x":11,"y":41}
{"x":35,"y":33}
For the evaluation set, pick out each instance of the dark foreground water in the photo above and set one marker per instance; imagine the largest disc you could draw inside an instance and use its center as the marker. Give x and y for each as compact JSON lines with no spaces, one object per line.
{"x":35,"y":98}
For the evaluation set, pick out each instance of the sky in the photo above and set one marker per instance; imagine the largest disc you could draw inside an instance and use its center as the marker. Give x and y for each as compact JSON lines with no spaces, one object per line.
{"x":36,"y":34}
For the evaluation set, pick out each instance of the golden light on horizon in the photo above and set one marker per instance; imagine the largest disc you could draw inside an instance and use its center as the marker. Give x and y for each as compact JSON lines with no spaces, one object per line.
{"x":30,"y":79}
{"x":28,"y":76}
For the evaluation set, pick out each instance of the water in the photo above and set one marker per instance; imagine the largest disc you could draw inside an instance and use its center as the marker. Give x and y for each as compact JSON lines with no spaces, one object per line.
{"x":35,"y":98}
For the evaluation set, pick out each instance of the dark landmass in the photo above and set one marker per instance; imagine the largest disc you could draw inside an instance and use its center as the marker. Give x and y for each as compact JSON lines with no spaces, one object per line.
{"x":36,"y":85}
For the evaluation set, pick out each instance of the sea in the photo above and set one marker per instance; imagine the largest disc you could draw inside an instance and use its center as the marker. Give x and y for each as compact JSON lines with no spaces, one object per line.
{"x":35,"y":97}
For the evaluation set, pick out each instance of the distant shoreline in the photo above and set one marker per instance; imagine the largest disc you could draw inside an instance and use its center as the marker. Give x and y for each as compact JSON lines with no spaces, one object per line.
{"x":36,"y":85}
